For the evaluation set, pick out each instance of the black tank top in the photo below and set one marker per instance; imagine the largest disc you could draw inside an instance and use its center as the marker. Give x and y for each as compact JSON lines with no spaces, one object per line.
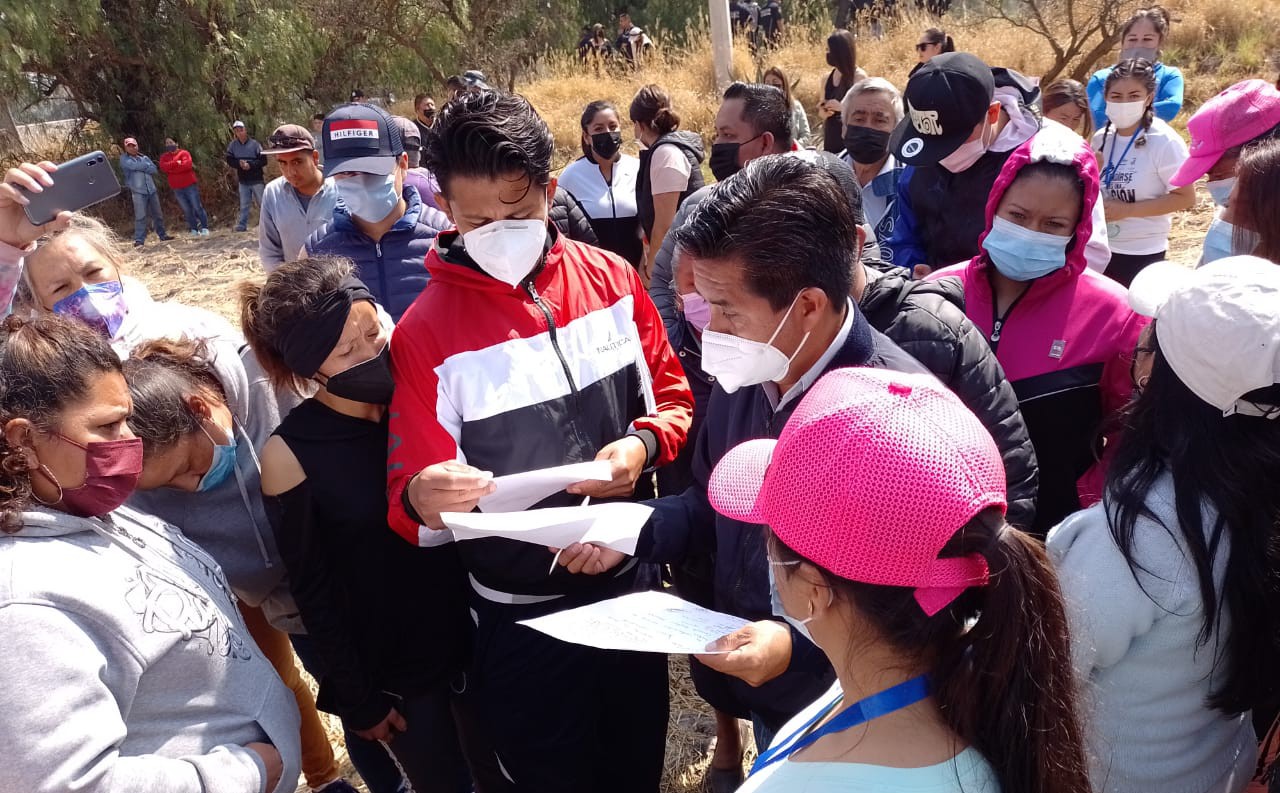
{"x":408,"y":602}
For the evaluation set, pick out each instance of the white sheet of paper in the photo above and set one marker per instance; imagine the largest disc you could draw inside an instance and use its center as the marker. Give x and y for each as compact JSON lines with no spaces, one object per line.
{"x":615,"y":525}
{"x":653,"y":622}
{"x":520,"y":491}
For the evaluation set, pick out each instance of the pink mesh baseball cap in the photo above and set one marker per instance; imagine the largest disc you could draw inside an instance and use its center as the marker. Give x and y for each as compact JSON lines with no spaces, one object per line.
{"x":1237,"y":115}
{"x":872,"y":476}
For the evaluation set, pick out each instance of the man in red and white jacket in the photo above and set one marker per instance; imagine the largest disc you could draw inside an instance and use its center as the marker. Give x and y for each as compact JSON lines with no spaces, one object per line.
{"x":528,"y":350}
{"x":177,"y":166}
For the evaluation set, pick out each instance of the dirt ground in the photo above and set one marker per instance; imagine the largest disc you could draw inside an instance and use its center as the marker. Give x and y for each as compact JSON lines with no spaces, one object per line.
{"x":204,"y":271}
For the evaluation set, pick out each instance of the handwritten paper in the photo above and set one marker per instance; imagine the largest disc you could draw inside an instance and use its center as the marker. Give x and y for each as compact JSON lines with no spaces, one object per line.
{"x":614,"y":525}
{"x":652,"y":622}
{"x":517,"y":492}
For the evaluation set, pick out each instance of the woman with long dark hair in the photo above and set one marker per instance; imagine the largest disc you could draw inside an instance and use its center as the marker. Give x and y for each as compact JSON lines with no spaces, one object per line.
{"x":1171,"y":581}
{"x":603,"y":181}
{"x":933,"y":42}
{"x":842,"y":57}
{"x":1143,"y":36}
{"x":800,"y":131}
{"x":1254,"y":210}
{"x":947,"y":632}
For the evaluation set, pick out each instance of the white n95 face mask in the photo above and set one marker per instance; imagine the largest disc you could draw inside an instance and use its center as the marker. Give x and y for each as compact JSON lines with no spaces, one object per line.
{"x":507,"y":249}
{"x":736,"y":362}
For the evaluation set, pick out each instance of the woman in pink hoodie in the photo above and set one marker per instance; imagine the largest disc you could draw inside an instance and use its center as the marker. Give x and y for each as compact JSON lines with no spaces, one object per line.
{"x":1064,"y":333}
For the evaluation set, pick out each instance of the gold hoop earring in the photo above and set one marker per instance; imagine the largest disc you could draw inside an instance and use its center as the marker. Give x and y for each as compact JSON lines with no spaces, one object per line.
{"x":44,"y":469}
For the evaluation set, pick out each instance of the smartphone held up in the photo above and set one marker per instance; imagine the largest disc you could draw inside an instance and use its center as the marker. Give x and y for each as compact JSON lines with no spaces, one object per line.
{"x":87,"y":180}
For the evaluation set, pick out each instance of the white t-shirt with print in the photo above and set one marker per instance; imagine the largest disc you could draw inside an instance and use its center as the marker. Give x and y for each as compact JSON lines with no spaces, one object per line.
{"x":1140,"y":173}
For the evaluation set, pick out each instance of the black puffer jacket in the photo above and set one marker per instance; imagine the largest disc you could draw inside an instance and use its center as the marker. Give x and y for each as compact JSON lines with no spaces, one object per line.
{"x":566,"y":212}
{"x":927,"y":320}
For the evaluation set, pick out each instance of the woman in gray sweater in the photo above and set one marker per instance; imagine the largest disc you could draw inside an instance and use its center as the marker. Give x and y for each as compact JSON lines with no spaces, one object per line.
{"x":1171,"y":582}
{"x":127,"y":667}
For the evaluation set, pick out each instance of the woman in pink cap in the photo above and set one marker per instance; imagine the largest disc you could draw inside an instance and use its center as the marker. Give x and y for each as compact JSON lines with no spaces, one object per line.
{"x":945,"y":626}
{"x":1222,"y":130}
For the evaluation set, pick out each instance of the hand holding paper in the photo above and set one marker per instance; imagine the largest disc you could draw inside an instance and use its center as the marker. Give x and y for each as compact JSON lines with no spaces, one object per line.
{"x":615,"y":525}
{"x":516,"y":492}
{"x":626,"y":458}
{"x":450,"y":486}
{"x":654,"y":622}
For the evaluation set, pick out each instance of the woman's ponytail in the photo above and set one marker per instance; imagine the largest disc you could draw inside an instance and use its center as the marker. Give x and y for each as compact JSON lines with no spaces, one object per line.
{"x":1007,"y":684}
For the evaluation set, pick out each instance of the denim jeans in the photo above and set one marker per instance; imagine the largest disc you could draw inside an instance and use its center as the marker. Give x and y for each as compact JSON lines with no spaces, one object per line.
{"x":189,"y":199}
{"x":248,"y":192}
{"x":144,"y":206}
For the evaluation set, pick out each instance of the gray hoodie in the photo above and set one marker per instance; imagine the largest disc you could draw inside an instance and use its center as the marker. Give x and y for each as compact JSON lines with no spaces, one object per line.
{"x":230,"y":521}
{"x":126,"y":666}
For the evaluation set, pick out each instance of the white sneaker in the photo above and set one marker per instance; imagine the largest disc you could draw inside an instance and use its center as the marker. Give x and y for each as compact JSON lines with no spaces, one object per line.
{"x":194,"y":232}
{"x":204,"y":232}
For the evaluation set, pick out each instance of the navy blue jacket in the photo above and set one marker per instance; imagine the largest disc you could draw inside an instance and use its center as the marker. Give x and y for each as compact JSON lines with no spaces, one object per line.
{"x":394,"y":268}
{"x":686,"y":524}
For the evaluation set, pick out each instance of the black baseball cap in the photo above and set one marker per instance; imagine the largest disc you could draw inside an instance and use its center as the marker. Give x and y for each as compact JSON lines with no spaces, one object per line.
{"x":361,"y":138}
{"x":944,"y":101}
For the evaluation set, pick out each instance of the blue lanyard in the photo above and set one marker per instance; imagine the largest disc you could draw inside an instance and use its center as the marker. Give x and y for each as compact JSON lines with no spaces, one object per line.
{"x":1110,"y":173}
{"x":873,"y":707}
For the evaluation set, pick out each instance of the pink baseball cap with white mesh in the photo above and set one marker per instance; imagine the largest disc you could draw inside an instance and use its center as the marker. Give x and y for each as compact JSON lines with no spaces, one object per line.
{"x":1237,"y":115}
{"x":872,"y":476}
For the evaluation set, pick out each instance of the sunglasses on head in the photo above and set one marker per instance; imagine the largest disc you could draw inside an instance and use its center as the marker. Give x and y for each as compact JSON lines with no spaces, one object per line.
{"x":287,"y":141}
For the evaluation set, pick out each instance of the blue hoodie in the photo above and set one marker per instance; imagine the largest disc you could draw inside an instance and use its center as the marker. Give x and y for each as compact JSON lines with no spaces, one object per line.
{"x":394,"y":268}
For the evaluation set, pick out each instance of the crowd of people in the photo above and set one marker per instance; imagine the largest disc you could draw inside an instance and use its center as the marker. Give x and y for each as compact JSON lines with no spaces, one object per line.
{"x":991,"y":484}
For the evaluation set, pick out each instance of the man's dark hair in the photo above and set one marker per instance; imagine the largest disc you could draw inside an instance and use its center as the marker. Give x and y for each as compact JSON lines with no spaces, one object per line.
{"x":317,"y":117}
{"x":417,"y":99}
{"x":489,"y":134}
{"x":787,"y":221}
{"x":765,"y":109}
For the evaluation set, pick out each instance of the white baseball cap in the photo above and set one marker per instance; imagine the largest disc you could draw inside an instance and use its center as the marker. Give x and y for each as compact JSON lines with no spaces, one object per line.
{"x":1218,"y":327}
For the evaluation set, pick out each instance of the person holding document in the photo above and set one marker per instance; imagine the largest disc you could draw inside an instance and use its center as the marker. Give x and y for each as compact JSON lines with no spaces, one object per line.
{"x":387,"y":634}
{"x":772,"y":250}
{"x":527,"y":351}
{"x":945,"y":625}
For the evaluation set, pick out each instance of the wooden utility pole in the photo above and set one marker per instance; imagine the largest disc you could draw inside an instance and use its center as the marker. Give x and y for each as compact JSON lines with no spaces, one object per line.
{"x":721,"y":43}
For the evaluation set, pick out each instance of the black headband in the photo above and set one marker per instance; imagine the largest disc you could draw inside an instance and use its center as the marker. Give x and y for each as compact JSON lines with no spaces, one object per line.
{"x":306,"y":345}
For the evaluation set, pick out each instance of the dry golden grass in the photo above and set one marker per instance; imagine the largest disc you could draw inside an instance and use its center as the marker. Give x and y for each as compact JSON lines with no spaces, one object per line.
{"x":1216,"y":43}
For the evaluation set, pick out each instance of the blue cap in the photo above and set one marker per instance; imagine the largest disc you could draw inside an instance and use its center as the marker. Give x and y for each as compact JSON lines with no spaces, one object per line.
{"x":361,"y":138}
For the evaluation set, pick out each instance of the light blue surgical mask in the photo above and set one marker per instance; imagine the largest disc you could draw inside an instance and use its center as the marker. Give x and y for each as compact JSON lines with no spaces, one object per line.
{"x":368,"y":196}
{"x":1021,"y":254}
{"x":775,"y":603}
{"x":1220,"y":190}
{"x":224,"y":462}
{"x":1219,"y":242}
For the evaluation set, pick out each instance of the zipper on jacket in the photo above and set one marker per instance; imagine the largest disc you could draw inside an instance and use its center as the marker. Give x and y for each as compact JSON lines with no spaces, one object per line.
{"x":998,"y":320}
{"x":555,"y":342}
{"x":382,"y":273}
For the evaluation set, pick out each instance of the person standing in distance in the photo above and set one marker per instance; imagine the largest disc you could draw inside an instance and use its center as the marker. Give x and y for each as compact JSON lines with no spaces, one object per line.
{"x":244,"y":155}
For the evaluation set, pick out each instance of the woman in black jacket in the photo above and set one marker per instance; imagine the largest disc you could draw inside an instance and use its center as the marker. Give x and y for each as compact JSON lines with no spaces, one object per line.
{"x":387,"y":628}
{"x":927,"y":320}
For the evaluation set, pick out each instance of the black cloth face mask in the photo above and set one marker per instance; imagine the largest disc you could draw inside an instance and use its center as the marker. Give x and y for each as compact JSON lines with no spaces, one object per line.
{"x":607,"y":144}
{"x":369,"y":382}
{"x":724,"y":159}
{"x":866,"y":145}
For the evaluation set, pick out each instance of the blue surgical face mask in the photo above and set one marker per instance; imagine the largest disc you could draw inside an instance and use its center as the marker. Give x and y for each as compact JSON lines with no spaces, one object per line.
{"x":1219,"y":242}
{"x":1021,"y":254}
{"x":775,"y":603}
{"x":368,"y":196}
{"x":224,"y":462}
{"x":1220,"y":190}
